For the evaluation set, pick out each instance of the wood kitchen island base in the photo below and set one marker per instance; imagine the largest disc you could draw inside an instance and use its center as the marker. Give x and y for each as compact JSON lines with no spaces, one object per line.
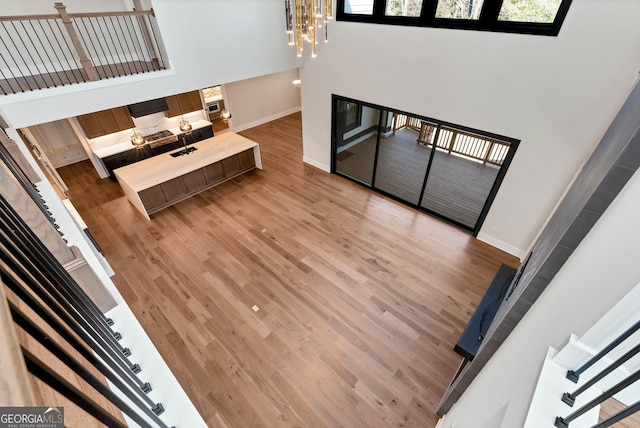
{"x":161,"y":181}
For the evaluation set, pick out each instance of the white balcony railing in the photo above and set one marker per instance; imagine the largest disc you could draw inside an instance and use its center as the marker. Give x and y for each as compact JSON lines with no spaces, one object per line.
{"x":43,"y":51}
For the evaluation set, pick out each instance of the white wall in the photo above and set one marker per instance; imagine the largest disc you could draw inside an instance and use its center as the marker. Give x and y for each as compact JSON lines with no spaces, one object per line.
{"x":255,"y":101}
{"x":556,"y":94}
{"x":598,"y":274}
{"x":208,"y":43}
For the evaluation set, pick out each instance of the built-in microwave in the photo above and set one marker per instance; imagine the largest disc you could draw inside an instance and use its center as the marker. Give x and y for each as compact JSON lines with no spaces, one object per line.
{"x":213,"y":107}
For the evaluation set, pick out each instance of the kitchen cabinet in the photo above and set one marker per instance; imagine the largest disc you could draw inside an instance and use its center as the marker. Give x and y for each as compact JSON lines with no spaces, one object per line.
{"x":200,"y":134}
{"x":152,"y":198}
{"x":183,"y":103}
{"x":130,"y":156}
{"x":126,"y":158}
{"x":159,"y":182}
{"x":213,"y":173}
{"x":174,"y":189}
{"x":105,"y":122}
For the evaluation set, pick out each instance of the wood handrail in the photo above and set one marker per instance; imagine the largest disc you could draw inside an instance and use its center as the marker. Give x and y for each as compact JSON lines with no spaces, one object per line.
{"x":77,"y":15}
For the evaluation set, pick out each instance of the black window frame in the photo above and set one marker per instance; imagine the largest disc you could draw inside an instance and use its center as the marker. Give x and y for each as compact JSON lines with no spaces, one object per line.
{"x":357,"y":120}
{"x":488,"y":20}
{"x":474,"y":230}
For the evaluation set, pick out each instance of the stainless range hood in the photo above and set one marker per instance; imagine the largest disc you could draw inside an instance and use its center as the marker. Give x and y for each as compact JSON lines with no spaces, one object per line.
{"x":148,"y":107}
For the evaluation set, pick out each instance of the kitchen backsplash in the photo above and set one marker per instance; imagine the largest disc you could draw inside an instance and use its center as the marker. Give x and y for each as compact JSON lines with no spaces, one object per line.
{"x":152,"y":123}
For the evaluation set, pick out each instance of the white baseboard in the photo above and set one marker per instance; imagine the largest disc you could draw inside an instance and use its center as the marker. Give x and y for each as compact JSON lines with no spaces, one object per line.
{"x":265,"y":119}
{"x":502,"y":245}
{"x":316,"y":164}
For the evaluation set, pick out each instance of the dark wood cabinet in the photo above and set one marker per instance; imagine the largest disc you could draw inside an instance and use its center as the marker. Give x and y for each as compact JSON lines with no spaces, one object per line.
{"x":213,"y":173}
{"x":153,"y":197}
{"x":159,"y":182}
{"x":126,"y":158}
{"x":194,"y":180}
{"x":105,"y":122}
{"x":168,"y":193}
{"x":174,"y":189}
{"x":136,"y":155}
{"x":183,"y":103}
{"x":231,"y":166}
{"x":201,"y":134}
{"x":247,"y":160}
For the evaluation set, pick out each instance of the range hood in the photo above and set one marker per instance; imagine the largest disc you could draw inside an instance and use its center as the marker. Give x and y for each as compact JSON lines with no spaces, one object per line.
{"x":148,"y":107}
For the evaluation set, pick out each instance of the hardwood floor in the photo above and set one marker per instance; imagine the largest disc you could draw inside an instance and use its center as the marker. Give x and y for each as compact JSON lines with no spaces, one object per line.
{"x":612,"y":406}
{"x":358,"y":299}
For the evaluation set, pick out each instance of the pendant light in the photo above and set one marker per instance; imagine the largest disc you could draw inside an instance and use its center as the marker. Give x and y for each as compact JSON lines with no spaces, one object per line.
{"x":137,"y":140}
{"x":185,"y":126}
{"x":310,"y":17}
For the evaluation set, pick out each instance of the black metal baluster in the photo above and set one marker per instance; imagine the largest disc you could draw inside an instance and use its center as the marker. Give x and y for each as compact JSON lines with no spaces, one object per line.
{"x":14,"y":61}
{"x":575,"y":375}
{"x":44,"y":373}
{"x":564,"y":422}
{"x":622,"y":414}
{"x":123,"y":372}
{"x":96,"y":58}
{"x":114,"y":60}
{"x":70,"y":296}
{"x":145,"y":49}
{"x":131,"y":45}
{"x":46,"y":51}
{"x":106,"y":338}
{"x":42,"y":338}
{"x":137,"y":45}
{"x":155,"y":40}
{"x":75,"y":324}
{"x":35,"y":63}
{"x":108,"y":64}
{"x":570,"y":398}
{"x":124,"y":52}
{"x":78,"y":67}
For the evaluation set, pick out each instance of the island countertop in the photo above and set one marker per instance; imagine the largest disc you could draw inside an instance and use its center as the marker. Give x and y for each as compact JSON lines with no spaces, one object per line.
{"x":159,"y":169}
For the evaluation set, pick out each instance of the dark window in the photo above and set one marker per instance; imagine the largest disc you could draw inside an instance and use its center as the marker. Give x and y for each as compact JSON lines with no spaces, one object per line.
{"x":543,"y":17}
{"x":353,"y":116}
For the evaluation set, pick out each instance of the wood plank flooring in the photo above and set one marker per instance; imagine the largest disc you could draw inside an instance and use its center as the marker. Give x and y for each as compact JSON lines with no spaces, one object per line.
{"x":360,"y":299}
{"x":457,"y":187}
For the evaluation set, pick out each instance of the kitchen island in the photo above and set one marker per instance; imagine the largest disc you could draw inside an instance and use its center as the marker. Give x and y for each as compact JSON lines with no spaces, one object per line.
{"x":158,"y":182}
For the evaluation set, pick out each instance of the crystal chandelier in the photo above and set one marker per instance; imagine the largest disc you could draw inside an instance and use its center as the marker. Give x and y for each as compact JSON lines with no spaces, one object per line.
{"x":310,"y":17}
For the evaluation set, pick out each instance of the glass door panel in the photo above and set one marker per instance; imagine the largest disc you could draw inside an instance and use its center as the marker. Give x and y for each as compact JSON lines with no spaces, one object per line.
{"x":403,"y":156}
{"x":463,"y":171}
{"x":356,"y":136}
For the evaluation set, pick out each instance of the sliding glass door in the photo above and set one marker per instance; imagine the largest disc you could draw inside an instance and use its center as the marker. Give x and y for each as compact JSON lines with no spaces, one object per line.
{"x":355,"y":135}
{"x":461,"y":175}
{"x":446,"y":170}
{"x":402,"y":161}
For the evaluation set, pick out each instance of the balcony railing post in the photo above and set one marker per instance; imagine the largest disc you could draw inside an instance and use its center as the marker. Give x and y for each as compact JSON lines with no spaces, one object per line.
{"x":486,"y":156}
{"x":137,"y":4}
{"x":87,"y":66}
{"x":454,"y":136}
